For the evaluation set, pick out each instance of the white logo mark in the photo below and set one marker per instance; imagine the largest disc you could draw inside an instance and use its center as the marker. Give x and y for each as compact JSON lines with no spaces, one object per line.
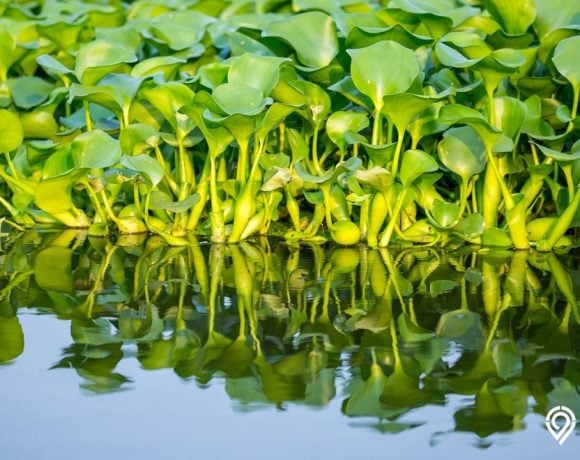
{"x":560,"y":430}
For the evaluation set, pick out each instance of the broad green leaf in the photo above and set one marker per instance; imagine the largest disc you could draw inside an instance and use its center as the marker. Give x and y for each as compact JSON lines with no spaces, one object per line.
{"x":259,"y":72}
{"x":137,"y":138}
{"x":235,"y":98}
{"x":339,"y":122}
{"x":445,"y":214}
{"x":180,"y":29}
{"x":146,"y":165}
{"x":51,"y":65}
{"x":241,"y":44}
{"x":275,"y":178}
{"x":166,"y":65}
{"x":360,"y":37}
{"x":377,"y":177}
{"x":168,"y":99}
{"x":275,"y":115}
{"x":160,"y":200}
{"x":29,"y":92}
{"x":402,"y":108}
{"x":414,"y":164}
{"x":352,"y":164}
{"x":372,"y":73}
{"x":560,"y":157}
{"x":472,"y":226}
{"x":515,"y":16}
{"x":312,"y":35}
{"x":98,"y":58}
{"x":7,"y":51}
{"x":12,"y":133}
{"x":54,"y":195}
{"x":555,"y":14}
{"x":510,"y":114}
{"x":95,"y":149}
{"x":462,"y":151}
{"x":566,"y":59}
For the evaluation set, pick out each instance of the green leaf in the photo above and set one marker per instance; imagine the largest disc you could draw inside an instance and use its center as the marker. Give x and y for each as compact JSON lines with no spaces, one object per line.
{"x":12,"y":133}
{"x":462,"y":151}
{"x":234,"y":99}
{"x":29,"y":92}
{"x":160,"y":200}
{"x":95,"y":149}
{"x":515,"y":16}
{"x":259,"y":72}
{"x":98,"y":58}
{"x":275,"y":178}
{"x":566,"y":59}
{"x":146,"y":165}
{"x":181,"y":29}
{"x":377,"y":177}
{"x":166,"y":65}
{"x":312,"y":35}
{"x":415,"y":163}
{"x":168,"y":99}
{"x":54,"y":195}
{"x":472,"y":226}
{"x":339,"y":122}
{"x":560,"y":157}
{"x":555,"y":14}
{"x":372,"y":70}
{"x":138,"y":137}
{"x":445,"y":214}
{"x":52,"y":66}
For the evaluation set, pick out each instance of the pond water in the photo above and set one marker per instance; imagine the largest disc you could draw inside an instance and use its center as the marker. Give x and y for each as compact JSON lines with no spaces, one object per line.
{"x":132,"y":349}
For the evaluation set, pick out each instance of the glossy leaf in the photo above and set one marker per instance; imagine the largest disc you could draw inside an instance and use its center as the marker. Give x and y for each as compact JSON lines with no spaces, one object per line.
{"x":371,"y":70}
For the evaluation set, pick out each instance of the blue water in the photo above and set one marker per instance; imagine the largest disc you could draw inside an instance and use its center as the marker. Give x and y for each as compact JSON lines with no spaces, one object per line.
{"x":47,"y":415}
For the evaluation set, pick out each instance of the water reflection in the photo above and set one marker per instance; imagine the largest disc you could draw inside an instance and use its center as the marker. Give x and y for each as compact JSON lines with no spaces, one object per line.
{"x":282,"y":324}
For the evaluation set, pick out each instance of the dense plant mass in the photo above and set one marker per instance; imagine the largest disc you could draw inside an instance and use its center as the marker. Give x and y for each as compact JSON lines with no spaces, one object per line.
{"x":377,"y":121}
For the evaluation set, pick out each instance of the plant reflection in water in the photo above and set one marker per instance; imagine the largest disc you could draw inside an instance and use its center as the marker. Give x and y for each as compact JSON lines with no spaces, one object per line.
{"x":282,"y":325}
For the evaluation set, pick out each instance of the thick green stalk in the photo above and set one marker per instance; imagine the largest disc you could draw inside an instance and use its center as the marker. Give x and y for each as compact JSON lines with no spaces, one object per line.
{"x":560,"y":226}
{"x":400,"y":138}
{"x":88,"y":121}
{"x":242,"y":167}
{"x":218,"y":229}
{"x":491,"y":198}
{"x":377,"y":126}
{"x":386,"y":237}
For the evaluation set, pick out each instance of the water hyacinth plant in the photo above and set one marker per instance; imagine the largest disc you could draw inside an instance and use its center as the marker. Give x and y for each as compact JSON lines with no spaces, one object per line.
{"x":400,"y":122}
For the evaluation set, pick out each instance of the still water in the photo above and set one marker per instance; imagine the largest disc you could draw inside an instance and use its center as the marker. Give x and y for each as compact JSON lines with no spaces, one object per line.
{"x":131,"y":349}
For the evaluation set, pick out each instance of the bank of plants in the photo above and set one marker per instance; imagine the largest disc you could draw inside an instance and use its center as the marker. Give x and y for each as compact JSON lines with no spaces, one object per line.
{"x":397,"y":122}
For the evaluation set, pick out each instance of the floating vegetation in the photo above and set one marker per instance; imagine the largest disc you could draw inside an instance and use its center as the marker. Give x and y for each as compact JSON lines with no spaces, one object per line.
{"x":407,"y":122}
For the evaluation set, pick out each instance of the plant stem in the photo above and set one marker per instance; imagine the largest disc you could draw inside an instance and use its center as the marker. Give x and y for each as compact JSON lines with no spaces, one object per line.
{"x":377,"y":126}
{"x":88,"y":121}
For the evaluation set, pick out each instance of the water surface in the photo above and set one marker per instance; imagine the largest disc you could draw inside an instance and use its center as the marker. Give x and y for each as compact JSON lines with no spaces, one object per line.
{"x":131,"y":349}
